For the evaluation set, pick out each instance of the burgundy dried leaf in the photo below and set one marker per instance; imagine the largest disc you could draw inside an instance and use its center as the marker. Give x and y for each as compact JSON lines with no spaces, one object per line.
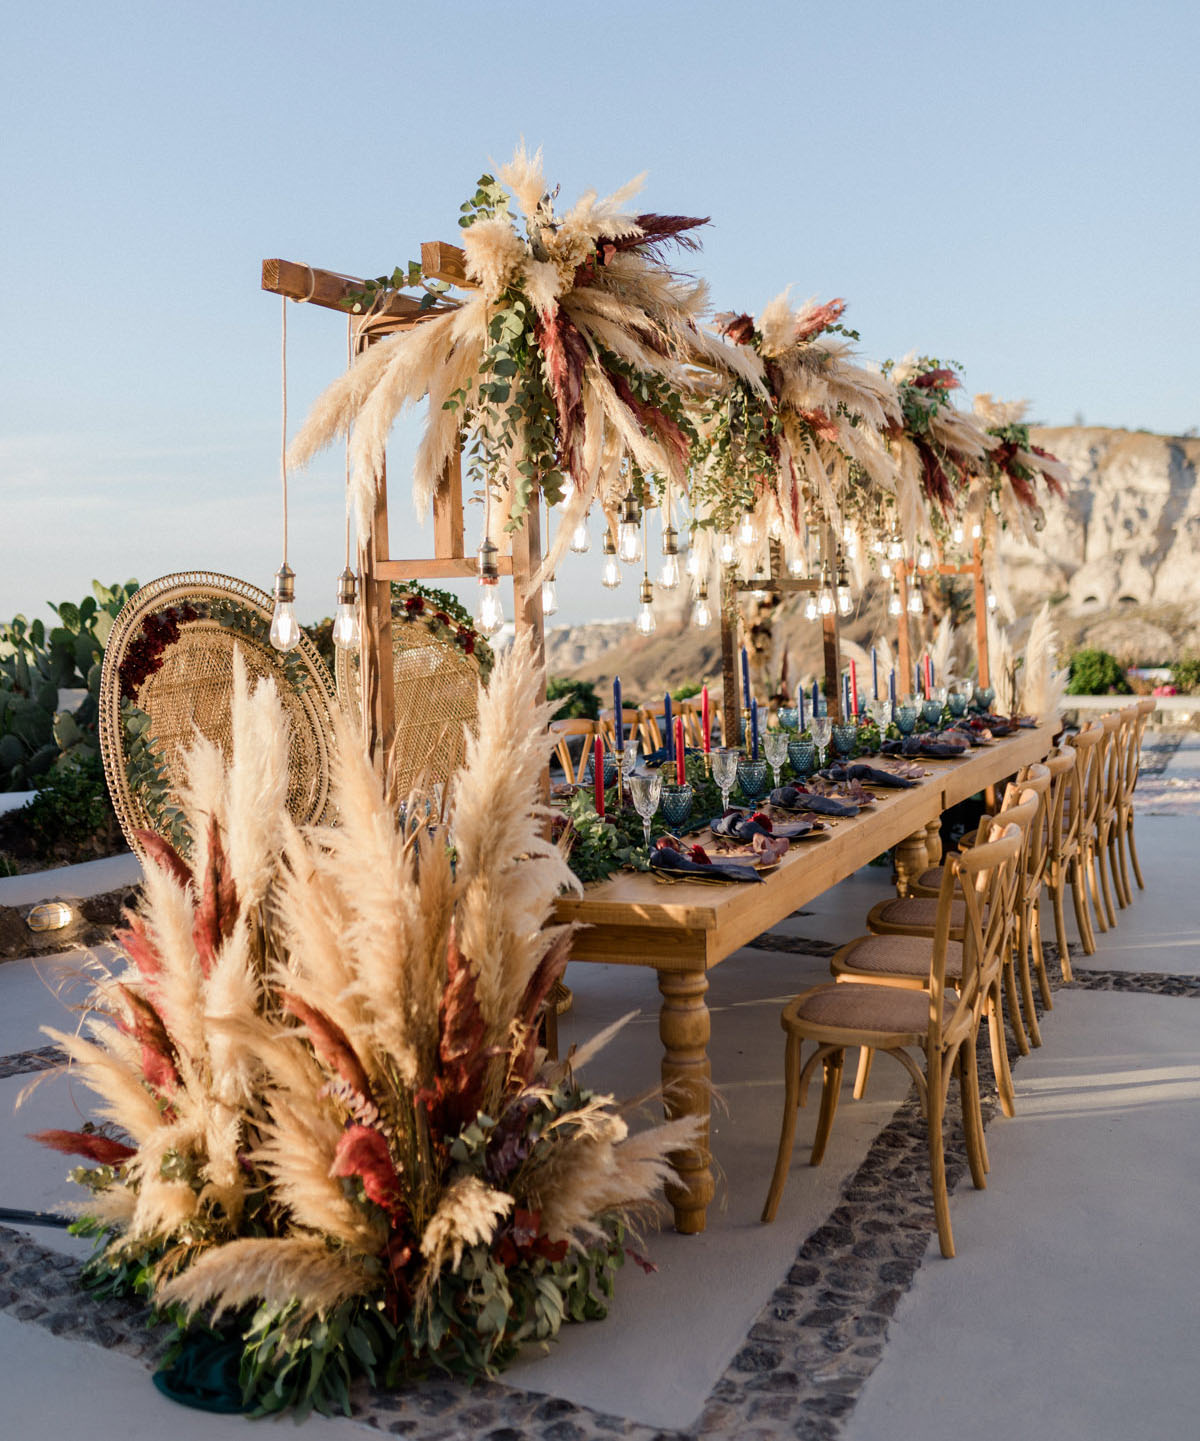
{"x":821,"y":319}
{"x":462,"y":1056}
{"x":820,"y":424}
{"x":541,"y":983}
{"x":565,"y":354}
{"x":217,"y":909}
{"x":363,"y":1152}
{"x":164,"y":854}
{"x":158,"y":1050}
{"x":738,"y":328}
{"x":658,"y":231}
{"x":101,"y":1149}
{"x":138,"y":946}
{"x":331,"y":1044}
{"x":937,"y":380}
{"x":1053,"y":484}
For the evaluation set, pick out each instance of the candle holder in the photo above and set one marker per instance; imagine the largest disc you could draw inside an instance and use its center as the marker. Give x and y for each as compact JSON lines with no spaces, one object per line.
{"x":746,"y":729}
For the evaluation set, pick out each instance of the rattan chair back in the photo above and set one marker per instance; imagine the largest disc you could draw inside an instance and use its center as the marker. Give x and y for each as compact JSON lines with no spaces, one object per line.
{"x":168,"y":677}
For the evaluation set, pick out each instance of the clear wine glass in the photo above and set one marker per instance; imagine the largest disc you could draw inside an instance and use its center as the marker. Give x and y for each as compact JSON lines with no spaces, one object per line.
{"x":628,"y":758}
{"x":881,"y":713}
{"x":646,"y":792}
{"x":822,"y":730}
{"x":724,"y":769}
{"x":775,"y":743}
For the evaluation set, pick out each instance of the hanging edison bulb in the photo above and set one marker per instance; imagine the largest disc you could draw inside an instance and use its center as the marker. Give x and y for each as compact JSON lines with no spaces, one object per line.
{"x":826,"y":603}
{"x":811,"y":609}
{"x":795,"y":564}
{"x":629,"y":529}
{"x":610,"y":576}
{"x":924,"y":557}
{"x":346,"y":635}
{"x":916,"y":601}
{"x":489,"y":613}
{"x":727,"y":550}
{"x":693,"y":562}
{"x":845,"y":601}
{"x":581,"y":540}
{"x":976,"y":531}
{"x":957,"y":534}
{"x":894,"y":549}
{"x":747,"y":534}
{"x":885,"y":569}
{"x":702,"y":612}
{"x":549,"y":596}
{"x":878,"y":545}
{"x":285,"y":629}
{"x":894,"y":606}
{"x":850,"y":540}
{"x":775,"y":528}
{"x":645,"y":620}
{"x":668,"y":576}
{"x":992,"y":602}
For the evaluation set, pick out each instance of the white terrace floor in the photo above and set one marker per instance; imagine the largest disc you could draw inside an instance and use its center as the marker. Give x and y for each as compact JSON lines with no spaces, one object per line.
{"x":1070,"y":1306}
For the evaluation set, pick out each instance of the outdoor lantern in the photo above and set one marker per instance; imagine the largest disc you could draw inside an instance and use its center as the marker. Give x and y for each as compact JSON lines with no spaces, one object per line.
{"x":668,"y":576}
{"x":727,"y":551}
{"x":49,"y":916}
{"x":549,"y":596}
{"x":845,"y":601}
{"x":826,"y":604}
{"x":746,"y":532}
{"x":490,"y":613}
{"x":645,"y":620}
{"x":894,"y":607}
{"x":345,"y":622}
{"x":629,"y":530}
{"x":611,"y":575}
{"x":285,"y":631}
{"x":916,"y":601}
{"x":702,"y":613}
{"x":581,"y":541}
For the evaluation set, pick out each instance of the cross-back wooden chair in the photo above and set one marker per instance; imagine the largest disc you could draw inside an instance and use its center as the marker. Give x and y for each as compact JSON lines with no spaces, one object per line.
{"x":1109,"y":785}
{"x":1127,"y":847}
{"x":693,"y":721}
{"x":650,"y":730}
{"x":1062,"y":845}
{"x":900,"y":1021}
{"x":897,"y":950}
{"x":607,"y":729}
{"x":1085,"y":792}
{"x":573,"y":770}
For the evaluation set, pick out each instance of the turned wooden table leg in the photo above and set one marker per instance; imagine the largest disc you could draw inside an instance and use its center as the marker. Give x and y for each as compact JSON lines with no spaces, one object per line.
{"x":933,"y":840}
{"x":683,"y":1025}
{"x":910,"y":857}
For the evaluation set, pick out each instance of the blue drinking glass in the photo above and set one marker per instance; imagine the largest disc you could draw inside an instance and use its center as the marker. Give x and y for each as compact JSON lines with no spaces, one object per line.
{"x":845,"y":737}
{"x":789,"y":717}
{"x":906,"y":719}
{"x":752,"y":777}
{"x":675,"y":805}
{"x":610,"y":771}
{"x":931,"y":712}
{"x":802,"y":756}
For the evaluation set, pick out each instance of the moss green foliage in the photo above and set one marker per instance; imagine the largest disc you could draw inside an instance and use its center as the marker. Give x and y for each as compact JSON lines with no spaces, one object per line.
{"x":1185,"y":674}
{"x":71,"y":810}
{"x":578,"y":697}
{"x":1096,"y":672}
{"x":686,"y":692}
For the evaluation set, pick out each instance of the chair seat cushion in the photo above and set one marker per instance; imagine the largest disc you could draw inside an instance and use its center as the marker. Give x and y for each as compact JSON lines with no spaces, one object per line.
{"x":932,"y":878}
{"x":887,"y":1010}
{"x":897,"y":956}
{"x":916,"y":913}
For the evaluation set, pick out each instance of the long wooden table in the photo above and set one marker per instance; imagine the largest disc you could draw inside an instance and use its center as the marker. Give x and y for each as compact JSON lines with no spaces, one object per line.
{"x":682,"y":930}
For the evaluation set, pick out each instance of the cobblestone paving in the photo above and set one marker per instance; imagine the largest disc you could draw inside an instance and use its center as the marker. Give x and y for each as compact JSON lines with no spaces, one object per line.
{"x":804,"y":1362}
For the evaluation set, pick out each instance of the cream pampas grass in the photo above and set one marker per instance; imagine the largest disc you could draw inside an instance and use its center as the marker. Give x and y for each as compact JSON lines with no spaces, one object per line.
{"x":1001,"y":667}
{"x":318,"y":1075}
{"x":1042,"y":684}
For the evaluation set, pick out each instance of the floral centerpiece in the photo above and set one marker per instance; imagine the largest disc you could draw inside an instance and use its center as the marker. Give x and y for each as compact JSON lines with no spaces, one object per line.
{"x":325,"y":1126}
{"x":1015,"y":465}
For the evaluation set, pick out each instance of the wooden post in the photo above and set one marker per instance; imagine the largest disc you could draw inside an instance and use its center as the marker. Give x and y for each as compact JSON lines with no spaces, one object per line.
{"x":731,"y":726}
{"x":903,"y":644}
{"x":376,"y":664}
{"x":981,"y":638}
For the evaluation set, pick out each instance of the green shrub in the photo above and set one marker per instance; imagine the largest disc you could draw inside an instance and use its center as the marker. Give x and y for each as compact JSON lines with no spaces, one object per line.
{"x":578,"y":697}
{"x":1185,"y":674}
{"x":686,"y":692}
{"x":1097,"y":672}
{"x":70,"y":815}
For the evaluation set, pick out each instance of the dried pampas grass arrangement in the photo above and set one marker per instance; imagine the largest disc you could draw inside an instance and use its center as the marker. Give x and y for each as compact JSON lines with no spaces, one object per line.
{"x":1043,"y":685}
{"x":322,"y":1106}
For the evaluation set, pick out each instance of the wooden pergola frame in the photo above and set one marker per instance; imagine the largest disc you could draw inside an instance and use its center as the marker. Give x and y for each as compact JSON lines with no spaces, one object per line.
{"x":377,"y":567}
{"x":973,"y":568}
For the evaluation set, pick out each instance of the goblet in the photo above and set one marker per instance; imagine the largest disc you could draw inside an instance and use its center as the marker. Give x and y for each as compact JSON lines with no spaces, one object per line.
{"x":775,"y":743}
{"x":676,"y":804}
{"x":958,"y":697}
{"x":845,"y":737}
{"x":881,"y":713}
{"x":906,"y":717}
{"x":725,"y":769}
{"x":789,"y":717}
{"x":802,"y":756}
{"x":822,"y":729}
{"x":752,"y":777}
{"x":610,"y":770}
{"x":931,"y":712}
{"x":984,"y":697}
{"x":646,"y":792}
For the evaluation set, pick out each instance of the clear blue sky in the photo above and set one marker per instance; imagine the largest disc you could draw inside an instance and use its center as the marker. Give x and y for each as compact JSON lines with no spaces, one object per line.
{"x":1012,"y":185}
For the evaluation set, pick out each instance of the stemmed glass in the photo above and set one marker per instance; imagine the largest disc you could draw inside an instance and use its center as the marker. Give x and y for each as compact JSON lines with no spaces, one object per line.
{"x":724,"y":769}
{"x":627,"y":759}
{"x":881,"y":713}
{"x":821,"y":728}
{"x":775,"y":744}
{"x":646,"y":792}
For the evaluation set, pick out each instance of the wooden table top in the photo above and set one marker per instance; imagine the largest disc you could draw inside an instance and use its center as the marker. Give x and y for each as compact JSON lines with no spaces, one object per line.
{"x":636,"y":919}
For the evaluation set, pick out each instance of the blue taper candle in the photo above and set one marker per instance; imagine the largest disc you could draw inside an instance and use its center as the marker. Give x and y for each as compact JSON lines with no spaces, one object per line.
{"x":816,"y":701}
{"x":892,"y":690}
{"x":753,"y":729}
{"x":846,"y":695}
{"x":803,"y":721}
{"x":667,"y":723}
{"x":874,"y":674}
{"x":745,"y":676}
{"x":618,"y":717}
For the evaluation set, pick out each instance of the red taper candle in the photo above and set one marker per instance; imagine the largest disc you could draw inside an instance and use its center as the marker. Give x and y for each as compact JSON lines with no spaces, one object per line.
{"x":680,"y":768}
{"x":705,"y":721}
{"x":853,"y":689}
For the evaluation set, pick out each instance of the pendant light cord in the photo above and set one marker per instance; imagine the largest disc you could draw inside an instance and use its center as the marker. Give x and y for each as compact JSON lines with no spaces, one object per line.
{"x":349,"y":363}
{"x":283,"y":445}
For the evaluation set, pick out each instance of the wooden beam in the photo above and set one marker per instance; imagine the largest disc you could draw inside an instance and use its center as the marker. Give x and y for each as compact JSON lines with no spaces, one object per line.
{"x":440,"y":261}
{"x":981,"y":636}
{"x":328,"y":289}
{"x":376,"y":663}
{"x":731,"y":714}
{"x":448,"y":511}
{"x":903,"y":644}
{"x":437,"y":568}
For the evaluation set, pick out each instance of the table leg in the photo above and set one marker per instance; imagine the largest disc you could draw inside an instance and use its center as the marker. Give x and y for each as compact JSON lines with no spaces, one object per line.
{"x":910,"y":857}
{"x":683,"y":1025}
{"x":933,"y":841}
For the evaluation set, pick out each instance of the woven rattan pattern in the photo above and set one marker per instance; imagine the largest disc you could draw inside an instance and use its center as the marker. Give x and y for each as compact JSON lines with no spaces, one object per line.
{"x":436,"y":688}
{"x":193,"y":688}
